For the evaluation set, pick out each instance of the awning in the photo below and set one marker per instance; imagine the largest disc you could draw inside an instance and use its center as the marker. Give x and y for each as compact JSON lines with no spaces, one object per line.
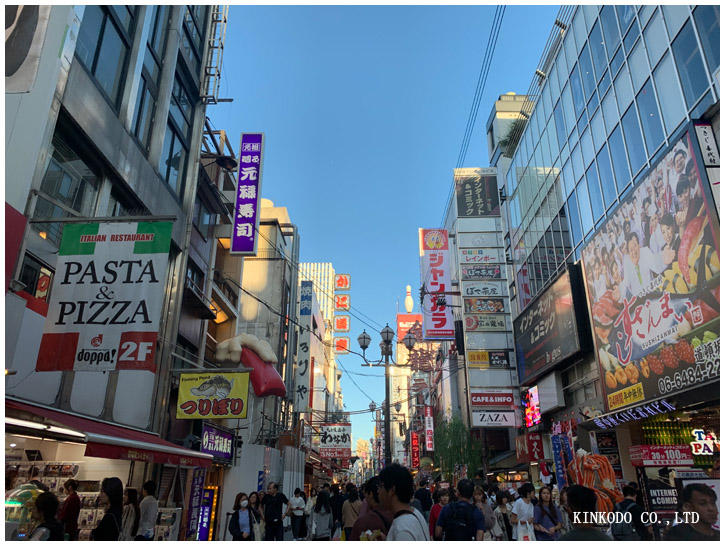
{"x":116,"y":442}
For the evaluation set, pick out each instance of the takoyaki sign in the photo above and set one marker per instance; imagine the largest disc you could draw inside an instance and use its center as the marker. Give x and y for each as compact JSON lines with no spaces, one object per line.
{"x":106,"y":300}
{"x":213,"y":395}
{"x":652,"y":275}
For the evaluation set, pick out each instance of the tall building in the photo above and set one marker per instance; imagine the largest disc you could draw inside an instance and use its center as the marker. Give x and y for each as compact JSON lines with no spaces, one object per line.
{"x":610,"y":175}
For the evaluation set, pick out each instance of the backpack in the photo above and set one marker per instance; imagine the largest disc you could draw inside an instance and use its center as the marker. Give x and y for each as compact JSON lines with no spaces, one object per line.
{"x":624,"y":531}
{"x":459,"y":524}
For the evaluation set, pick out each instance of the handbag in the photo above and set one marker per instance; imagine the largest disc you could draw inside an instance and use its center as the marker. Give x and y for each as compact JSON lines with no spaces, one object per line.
{"x":526,"y":532}
{"x":258,"y":528}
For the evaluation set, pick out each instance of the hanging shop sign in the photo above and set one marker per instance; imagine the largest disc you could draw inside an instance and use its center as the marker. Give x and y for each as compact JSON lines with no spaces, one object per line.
{"x":342,"y":345}
{"x":249,"y":189}
{"x":213,"y":395}
{"x":342,"y":302}
{"x":335,"y":441}
{"x":660,"y":496}
{"x":415,"y":450}
{"x":306,"y":298}
{"x":486,"y":323}
{"x":480,"y":256}
{"x":476,"y":192}
{"x":476,"y":272}
{"x":428,"y":428}
{"x":706,"y":443}
{"x":483,"y":305}
{"x":342,"y":282}
{"x":487,"y":359}
{"x":435,"y":275}
{"x":483,"y":289}
{"x":406,"y":321}
{"x":106,"y":300}
{"x":634,"y":414}
{"x":192,"y":515}
{"x":493,"y":418}
{"x":546,"y":332}
{"x":217,"y":442}
{"x":652,"y":275}
{"x":206,"y":514}
{"x":560,"y":465}
{"x":710,"y":158}
{"x":532,"y":410}
{"x":342,"y":323}
{"x":605,"y":443}
{"x":651,"y":455}
{"x":493,"y":397}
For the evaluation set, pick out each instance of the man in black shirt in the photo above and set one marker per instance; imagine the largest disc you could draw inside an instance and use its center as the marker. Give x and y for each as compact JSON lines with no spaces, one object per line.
{"x":273,"y":508}
{"x":425,"y":498}
{"x":581,"y":503}
{"x":336,"y":502}
{"x":699,"y":498}
{"x":636,"y":529}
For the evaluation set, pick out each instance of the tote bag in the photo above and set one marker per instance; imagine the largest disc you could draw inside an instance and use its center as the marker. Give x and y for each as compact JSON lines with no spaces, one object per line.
{"x":525,"y":531}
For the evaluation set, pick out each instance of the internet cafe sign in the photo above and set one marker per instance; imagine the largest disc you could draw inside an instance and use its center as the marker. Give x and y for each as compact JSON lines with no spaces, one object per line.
{"x":106,"y":300}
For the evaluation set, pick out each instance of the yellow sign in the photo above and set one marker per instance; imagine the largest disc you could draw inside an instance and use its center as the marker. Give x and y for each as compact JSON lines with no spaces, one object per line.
{"x":478,"y":359}
{"x":625,"y":397}
{"x":213,"y":395}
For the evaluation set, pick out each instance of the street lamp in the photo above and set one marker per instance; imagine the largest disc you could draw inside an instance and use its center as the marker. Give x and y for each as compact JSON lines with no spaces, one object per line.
{"x":386,"y":350}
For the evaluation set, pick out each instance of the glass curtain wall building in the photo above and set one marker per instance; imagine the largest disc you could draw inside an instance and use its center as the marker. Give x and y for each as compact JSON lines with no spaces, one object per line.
{"x":616,"y":87}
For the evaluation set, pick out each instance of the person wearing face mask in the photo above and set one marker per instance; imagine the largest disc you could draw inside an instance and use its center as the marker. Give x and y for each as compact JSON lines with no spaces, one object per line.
{"x":241,"y":523}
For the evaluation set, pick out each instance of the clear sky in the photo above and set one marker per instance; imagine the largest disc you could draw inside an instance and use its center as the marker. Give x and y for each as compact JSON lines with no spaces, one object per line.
{"x":364,"y":110}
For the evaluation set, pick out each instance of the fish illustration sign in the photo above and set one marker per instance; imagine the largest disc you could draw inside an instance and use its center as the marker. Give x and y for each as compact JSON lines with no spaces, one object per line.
{"x":213,"y":395}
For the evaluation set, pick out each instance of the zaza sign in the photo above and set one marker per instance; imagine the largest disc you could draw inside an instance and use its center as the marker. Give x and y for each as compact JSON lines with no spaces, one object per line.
{"x":106,"y":300}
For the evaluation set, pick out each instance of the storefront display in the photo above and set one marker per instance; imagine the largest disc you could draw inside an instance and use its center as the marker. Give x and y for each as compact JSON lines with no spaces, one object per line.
{"x":167,"y":526}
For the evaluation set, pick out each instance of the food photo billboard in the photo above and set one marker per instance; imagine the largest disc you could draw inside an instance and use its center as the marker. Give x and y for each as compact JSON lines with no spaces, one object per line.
{"x":652,"y":274}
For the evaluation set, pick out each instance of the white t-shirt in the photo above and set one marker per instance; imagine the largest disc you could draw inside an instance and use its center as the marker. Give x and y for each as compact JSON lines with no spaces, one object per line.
{"x":409,"y":527}
{"x":524,"y":511}
{"x":297,"y":505}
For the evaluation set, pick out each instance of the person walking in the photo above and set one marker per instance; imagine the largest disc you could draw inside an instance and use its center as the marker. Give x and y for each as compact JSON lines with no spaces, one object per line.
{"x":350,"y":510}
{"x":697,"y":498}
{"x":109,"y":528}
{"x":130,"y":515}
{"x":149,"y":508}
{"x":375,"y":522}
{"x":296,"y":509}
{"x":480,"y":501}
{"x":522,"y":514}
{"x":396,"y":491}
{"x":461,"y":520}
{"x":580,"y":500}
{"x":336,"y":502}
{"x":257,"y":515}
{"x":547,"y":518}
{"x":322,"y":519}
{"x":241,"y":522}
{"x":70,"y":509}
{"x":273,"y":503}
{"x":634,"y":528}
{"x":565,"y":521}
{"x":309,"y":506}
{"x":45,"y":509}
{"x":425,"y":498}
{"x":503,"y":530}
{"x":440,"y":497}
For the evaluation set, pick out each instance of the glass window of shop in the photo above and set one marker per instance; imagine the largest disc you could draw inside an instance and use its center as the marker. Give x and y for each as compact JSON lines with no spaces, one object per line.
{"x":37,"y":277}
{"x":707,"y":19}
{"x":689,"y":64}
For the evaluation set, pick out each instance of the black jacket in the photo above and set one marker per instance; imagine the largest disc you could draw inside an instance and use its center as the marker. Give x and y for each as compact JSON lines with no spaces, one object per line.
{"x":425,"y":498}
{"x":109,"y":527}
{"x":234,"y":528}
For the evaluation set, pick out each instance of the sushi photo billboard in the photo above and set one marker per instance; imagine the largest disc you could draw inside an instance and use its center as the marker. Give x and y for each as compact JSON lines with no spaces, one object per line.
{"x":652,"y":273}
{"x":213,"y":395}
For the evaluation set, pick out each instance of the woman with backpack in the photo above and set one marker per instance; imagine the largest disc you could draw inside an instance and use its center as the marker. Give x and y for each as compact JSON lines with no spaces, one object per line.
{"x":547,"y":518}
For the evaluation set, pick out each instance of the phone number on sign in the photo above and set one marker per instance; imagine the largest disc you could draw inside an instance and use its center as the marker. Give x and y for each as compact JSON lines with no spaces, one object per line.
{"x":692,"y":375}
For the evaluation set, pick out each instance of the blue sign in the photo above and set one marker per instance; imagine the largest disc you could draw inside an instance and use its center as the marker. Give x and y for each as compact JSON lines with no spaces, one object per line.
{"x":556,"y":448}
{"x":217,"y":442}
{"x":197,"y":485}
{"x":306,"y":298}
{"x":249,"y":188}
{"x":207,"y":501}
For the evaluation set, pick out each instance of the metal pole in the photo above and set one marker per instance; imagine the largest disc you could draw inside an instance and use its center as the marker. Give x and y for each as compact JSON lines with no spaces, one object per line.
{"x":388,"y":458}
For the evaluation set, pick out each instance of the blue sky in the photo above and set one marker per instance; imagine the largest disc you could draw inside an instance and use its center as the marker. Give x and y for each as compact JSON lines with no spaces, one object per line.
{"x":364,"y":109}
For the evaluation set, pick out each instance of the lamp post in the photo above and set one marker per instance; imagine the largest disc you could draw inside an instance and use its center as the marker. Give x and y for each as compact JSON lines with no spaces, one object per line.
{"x":386,"y":351}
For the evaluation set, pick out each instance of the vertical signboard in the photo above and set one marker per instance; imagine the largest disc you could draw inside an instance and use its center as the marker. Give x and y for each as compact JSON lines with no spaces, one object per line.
{"x":106,"y":299}
{"x":476,"y":192}
{"x":249,"y":188}
{"x":336,"y":441}
{"x":436,"y":279}
{"x":342,"y":282}
{"x":415,"y":450}
{"x":197,"y":486}
{"x":428,"y":428}
{"x":304,"y":371}
{"x":206,"y":515}
{"x":710,"y":158}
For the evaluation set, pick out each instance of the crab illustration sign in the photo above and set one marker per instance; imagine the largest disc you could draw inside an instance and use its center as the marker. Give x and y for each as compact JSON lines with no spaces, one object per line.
{"x":213,"y":395}
{"x":336,"y":440}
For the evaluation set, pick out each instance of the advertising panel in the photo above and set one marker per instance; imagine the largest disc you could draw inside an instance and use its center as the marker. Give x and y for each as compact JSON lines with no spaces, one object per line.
{"x":106,"y":299}
{"x":405,"y":322}
{"x":480,"y":240}
{"x":435,"y":275}
{"x":217,"y":442}
{"x":492,"y":397}
{"x":342,"y":323}
{"x":335,"y":440}
{"x":488,"y":359}
{"x":486,"y":323}
{"x":532,"y":410}
{"x":476,"y":272}
{"x":546,"y":332}
{"x":652,"y":276}
{"x":476,"y":192}
{"x":606,"y":444}
{"x":493,"y":418}
{"x":480,"y":256}
{"x":483,"y":289}
{"x":215,"y":395}
{"x":306,"y":298}
{"x":342,"y":302}
{"x":483,"y":305}
{"x":660,"y":456}
{"x":304,"y":369}
{"x":249,"y":190}
{"x":342,"y":282}
{"x":428,"y":428}
{"x":342,"y":345}
{"x":415,"y":450}
{"x":535,"y":446}
{"x":192,"y":515}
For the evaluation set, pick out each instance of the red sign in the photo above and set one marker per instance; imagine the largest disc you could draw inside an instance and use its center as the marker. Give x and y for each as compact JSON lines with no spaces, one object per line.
{"x":406,"y":322}
{"x":675,"y":455}
{"x":499,"y":399}
{"x":342,"y":323}
{"x":342,"y":282}
{"x":342,"y":344}
{"x":342,"y":302}
{"x":522,"y":452}
{"x":535,"y":447}
{"x":415,"y":448}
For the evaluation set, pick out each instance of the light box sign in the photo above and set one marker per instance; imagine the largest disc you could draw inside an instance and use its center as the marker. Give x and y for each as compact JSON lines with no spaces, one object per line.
{"x":483,"y":305}
{"x":493,"y":397}
{"x":428,"y":428}
{"x":436,"y":279}
{"x":480,"y":256}
{"x":487,"y":359}
{"x":652,"y":276}
{"x":532,"y":410}
{"x":335,"y":440}
{"x":476,"y":192}
{"x":483,"y":289}
{"x":342,"y":282}
{"x":493,"y":418}
{"x":342,"y":323}
{"x":306,"y":298}
{"x":342,"y":345}
{"x":477,"y":272}
{"x":249,"y":188}
{"x":342,"y":302}
{"x":105,"y":306}
{"x":486,"y":323}
{"x":406,"y":321}
{"x":217,"y":442}
{"x":213,"y":395}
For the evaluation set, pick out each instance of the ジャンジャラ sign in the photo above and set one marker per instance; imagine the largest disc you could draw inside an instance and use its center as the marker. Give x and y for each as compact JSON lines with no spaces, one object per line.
{"x":213,"y":395}
{"x":435,"y":276}
{"x":106,"y":300}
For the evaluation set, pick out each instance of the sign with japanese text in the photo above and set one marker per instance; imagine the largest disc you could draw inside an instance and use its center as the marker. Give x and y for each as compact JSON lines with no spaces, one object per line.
{"x":428,"y":428}
{"x":492,"y":397}
{"x":249,"y":189}
{"x":305,"y":368}
{"x":605,"y":443}
{"x":476,"y":272}
{"x":306,"y":298}
{"x":415,"y":450}
{"x":216,"y":395}
{"x":560,"y":464}
{"x":546,"y":333}
{"x":493,"y":418}
{"x":476,"y":192}
{"x":206,"y":514}
{"x":480,"y":255}
{"x":342,"y":282}
{"x":652,"y":277}
{"x":483,"y":289}
{"x":335,"y":440}
{"x":342,"y":323}
{"x":342,"y":345}
{"x":634,"y":414}
{"x":405,"y":322}
{"x":535,"y":446}
{"x":487,"y":359}
{"x":192,"y":515}
{"x":217,"y":442}
{"x":650,"y":455}
{"x":483,"y":305}
{"x":486,"y":323}
{"x":105,"y":304}
{"x":342,"y":302}
{"x":710,"y":157}
{"x":436,"y":280}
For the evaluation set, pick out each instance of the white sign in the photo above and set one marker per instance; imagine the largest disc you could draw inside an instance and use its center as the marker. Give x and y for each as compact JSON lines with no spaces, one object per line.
{"x":479,"y":240}
{"x":480,"y":256}
{"x":491,"y":419}
{"x":711,"y":158}
{"x":336,"y":440}
{"x":483,"y":288}
{"x":435,"y":275}
{"x":428,"y":428}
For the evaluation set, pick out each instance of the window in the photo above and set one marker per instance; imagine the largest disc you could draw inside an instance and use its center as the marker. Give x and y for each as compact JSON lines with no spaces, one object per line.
{"x":598,"y":133}
{"x":596,"y":43}
{"x":577,"y":163}
{"x":624,"y":90}
{"x":204,"y":219}
{"x":707,"y":19}
{"x":195,"y":275}
{"x":173,"y":159}
{"x":36,"y":277}
{"x":656,"y":39}
{"x":576,"y":90}
{"x":181,"y":108}
{"x":633,"y":138}
{"x":609,"y":110}
{"x":559,"y":123}
{"x":595,"y":193}
{"x":609,"y":188}
{"x":626,"y":16}
{"x":617,"y":62}
{"x":585,"y":208}
{"x":191,"y":37}
{"x":619,"y":159}
{"x":568,"y":178}
{"x":587,"y":147}
{"x":673,"y":109}
{"x":675,"y":15}
{"x":609,"y":29}
{"x":576,"y":227}
{"x":587,"y":72}
{"x":631,"y":38}
{"x":650,"y":117}
{"x":638,"y":66}
{"x":102,"y":47}
{"x":689,"y":63}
